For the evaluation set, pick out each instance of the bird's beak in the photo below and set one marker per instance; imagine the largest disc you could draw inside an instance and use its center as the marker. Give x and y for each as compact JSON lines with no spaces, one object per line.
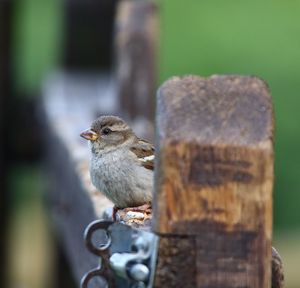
{"x":89,"y":135}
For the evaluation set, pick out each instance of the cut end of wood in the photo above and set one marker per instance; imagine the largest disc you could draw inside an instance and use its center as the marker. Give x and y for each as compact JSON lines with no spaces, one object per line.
{"x":235,"y":110}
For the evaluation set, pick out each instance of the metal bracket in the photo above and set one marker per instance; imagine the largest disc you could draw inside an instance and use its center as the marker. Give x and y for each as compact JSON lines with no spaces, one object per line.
{"x":128,"y":255}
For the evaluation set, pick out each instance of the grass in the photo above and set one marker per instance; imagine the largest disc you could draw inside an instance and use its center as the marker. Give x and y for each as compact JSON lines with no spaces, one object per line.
{"x":287,"y":243}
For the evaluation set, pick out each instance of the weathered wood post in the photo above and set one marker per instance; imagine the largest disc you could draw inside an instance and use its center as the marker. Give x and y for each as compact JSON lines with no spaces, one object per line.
{"x":214,"y":177}
{"x":136,"y":36}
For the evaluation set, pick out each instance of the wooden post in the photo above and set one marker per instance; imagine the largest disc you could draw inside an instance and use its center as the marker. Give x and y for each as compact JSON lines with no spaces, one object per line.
{"x":214,"y":177}
{"x":135,"y":48}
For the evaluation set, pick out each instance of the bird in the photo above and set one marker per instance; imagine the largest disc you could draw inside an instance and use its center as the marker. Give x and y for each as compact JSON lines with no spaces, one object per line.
{"x":122,"y":164}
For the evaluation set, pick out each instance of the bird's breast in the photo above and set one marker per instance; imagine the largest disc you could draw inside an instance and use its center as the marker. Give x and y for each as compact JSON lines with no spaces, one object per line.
{"x":122,"y":179}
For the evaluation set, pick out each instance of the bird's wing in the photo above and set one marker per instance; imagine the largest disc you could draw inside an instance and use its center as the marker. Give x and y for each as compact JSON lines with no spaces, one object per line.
{"x":145,"y":153}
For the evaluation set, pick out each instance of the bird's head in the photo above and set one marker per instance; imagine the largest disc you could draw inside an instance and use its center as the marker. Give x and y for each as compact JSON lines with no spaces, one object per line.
{"x":108,"y":133}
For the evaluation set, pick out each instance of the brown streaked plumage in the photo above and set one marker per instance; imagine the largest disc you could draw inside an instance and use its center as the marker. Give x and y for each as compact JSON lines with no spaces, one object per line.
{"x":145,"y":153}
{"x":109,"y":121}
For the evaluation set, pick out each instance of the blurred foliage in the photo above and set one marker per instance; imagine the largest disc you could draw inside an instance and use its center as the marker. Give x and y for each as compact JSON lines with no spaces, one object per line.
{"x":37,"y":42}
{"x":30,"y":241}
{"x":25,"y":186}
{"x":245,"y":37}
{"x":288,"y":246}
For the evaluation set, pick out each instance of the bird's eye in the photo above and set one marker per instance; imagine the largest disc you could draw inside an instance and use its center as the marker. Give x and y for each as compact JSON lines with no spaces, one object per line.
{"x":106,"y":131}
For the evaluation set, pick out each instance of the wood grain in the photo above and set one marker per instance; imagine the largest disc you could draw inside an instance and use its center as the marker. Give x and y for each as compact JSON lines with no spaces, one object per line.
{"x":177,"y":256}
{"x":214,"y":176}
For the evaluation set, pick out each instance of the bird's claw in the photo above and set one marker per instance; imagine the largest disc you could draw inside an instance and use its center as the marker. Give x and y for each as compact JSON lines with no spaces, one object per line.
{"x":133,"y":215}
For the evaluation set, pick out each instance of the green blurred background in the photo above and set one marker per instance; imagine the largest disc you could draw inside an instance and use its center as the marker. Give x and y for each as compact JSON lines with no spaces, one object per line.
{"x":196,"y":37}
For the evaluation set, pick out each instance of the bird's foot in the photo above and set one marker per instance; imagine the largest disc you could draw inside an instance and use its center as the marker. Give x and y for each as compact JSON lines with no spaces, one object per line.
{"x":114,"y":213}
{"x":134,"y":215}
{"x":145,"y":208}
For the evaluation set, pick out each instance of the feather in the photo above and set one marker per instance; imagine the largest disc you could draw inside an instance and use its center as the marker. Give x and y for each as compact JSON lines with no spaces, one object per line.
{"x":145,"y":153}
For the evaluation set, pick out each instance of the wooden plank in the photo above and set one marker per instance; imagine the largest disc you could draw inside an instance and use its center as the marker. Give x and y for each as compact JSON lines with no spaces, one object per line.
{"x":214,"y":177}
{"x":70,"y":103}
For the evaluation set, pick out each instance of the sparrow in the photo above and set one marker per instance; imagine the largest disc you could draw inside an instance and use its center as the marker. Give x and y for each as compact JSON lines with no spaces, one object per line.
{"x":121,"y":165}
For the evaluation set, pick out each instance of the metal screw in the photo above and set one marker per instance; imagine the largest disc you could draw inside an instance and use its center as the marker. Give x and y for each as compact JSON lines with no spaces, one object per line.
{"x":140,"y":244}
{"x":139,"y":272}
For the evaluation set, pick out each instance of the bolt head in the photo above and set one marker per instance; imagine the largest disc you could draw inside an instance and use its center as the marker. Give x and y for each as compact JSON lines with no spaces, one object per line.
{"x":139,"y":272}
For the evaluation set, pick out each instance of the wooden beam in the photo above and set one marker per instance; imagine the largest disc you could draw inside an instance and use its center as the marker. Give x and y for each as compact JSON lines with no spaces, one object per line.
{"x":214,"y":177}
{"x":69,"y":106}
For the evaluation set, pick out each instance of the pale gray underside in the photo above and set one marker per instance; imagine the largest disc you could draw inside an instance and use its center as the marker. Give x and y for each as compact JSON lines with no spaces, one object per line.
{"x":121,"y":178}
